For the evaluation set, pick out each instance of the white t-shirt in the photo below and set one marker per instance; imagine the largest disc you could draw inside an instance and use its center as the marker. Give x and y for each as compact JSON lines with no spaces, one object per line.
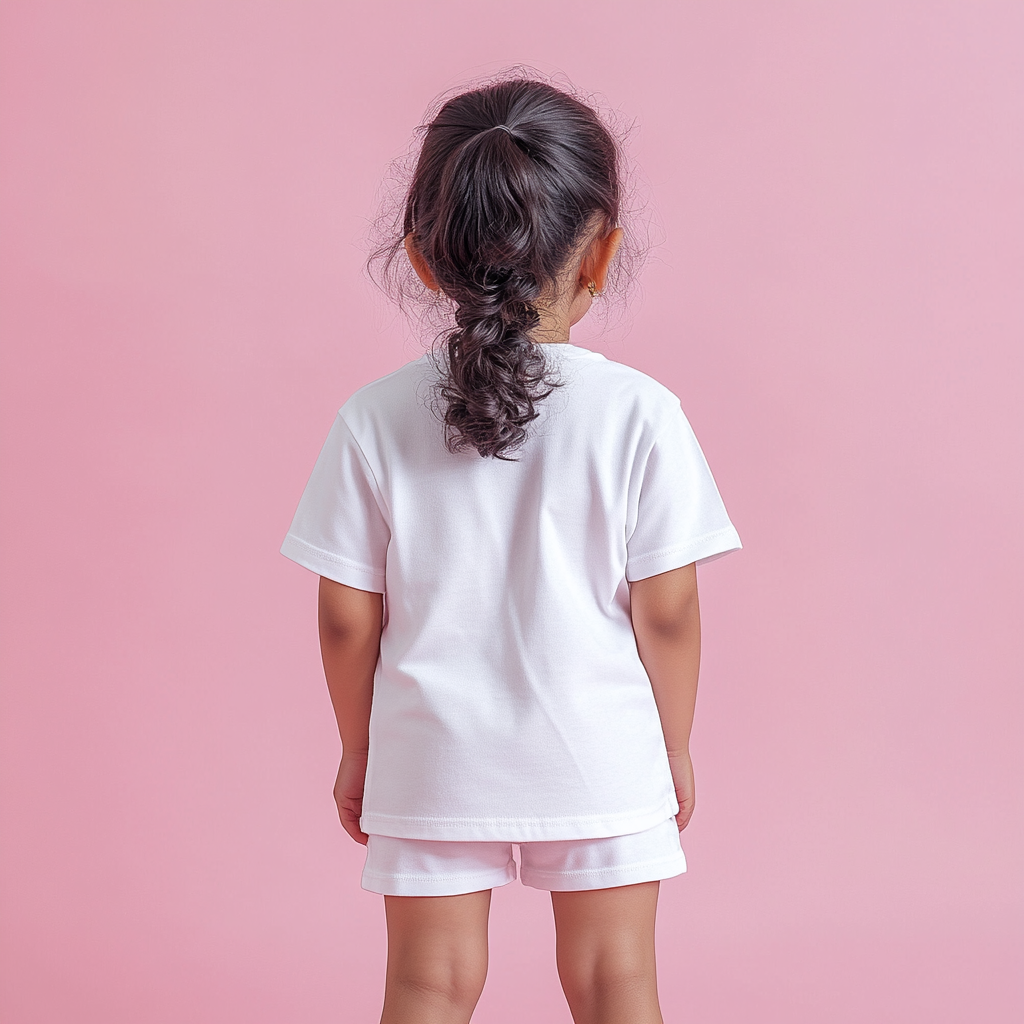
{"x":509,"y":701}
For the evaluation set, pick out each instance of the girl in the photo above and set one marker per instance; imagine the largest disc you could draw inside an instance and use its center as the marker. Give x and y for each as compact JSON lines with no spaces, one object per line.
{"x":507,"y":531}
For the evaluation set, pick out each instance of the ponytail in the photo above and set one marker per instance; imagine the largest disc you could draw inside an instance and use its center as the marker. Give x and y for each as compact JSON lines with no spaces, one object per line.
{"x":495,"y":373}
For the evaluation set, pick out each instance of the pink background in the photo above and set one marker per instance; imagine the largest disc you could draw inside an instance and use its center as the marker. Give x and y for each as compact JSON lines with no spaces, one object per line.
{"x":835,"y":295}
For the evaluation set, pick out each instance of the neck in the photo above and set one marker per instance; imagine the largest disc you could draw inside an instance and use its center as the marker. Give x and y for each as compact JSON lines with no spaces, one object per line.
{"x":553,"y":328}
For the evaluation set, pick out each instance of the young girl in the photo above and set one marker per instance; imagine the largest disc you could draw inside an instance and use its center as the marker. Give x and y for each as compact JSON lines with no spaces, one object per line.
{"x":507,"y":531}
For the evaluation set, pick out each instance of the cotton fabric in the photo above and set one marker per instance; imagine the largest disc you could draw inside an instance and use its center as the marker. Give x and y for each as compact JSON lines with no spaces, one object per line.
{"x":425,"y":867}
{"x":510,"y":703}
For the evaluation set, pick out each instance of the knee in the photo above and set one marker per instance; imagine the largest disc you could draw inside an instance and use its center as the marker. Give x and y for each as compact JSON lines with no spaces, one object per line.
{"x":593,"y":979}
{"x":440,"y":983}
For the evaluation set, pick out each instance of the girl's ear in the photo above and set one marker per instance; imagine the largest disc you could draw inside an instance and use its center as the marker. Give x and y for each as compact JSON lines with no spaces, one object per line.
{"x":419,"y":264}
{"x":599,"y":256}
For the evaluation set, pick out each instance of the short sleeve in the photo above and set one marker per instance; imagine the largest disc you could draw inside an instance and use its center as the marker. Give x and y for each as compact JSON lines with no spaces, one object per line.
{"x":680,"y":516}
{"x":339,"y":530}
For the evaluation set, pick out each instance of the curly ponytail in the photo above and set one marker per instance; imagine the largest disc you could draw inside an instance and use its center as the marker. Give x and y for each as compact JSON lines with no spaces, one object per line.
{"x":495,"y":374}
{"x":496,"y":215}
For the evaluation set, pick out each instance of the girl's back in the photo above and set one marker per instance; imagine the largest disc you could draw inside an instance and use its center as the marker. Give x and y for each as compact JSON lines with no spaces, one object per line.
{"x":510,"y":702}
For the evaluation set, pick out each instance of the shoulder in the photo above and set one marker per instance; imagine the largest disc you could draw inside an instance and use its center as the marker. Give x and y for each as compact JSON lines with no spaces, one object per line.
{"x":394,"y":395}
{"x":628,"y":390}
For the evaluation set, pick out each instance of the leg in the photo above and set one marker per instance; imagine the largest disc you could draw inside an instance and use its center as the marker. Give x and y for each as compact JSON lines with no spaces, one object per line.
{"x":604,"y":948}
{"x":437,"y":957}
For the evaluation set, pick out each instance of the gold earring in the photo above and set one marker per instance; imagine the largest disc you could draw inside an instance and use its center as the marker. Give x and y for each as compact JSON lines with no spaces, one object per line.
{"x":592,"y":288}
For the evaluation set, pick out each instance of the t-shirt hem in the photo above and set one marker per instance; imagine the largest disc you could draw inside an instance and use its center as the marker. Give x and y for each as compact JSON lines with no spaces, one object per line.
{"x":517,"y":830}
{"x":703,"y":549}
{"x":324,"y":563}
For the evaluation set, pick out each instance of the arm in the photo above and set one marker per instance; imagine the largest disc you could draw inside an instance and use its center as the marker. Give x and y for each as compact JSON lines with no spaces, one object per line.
{"x":666,"y":623}
{"x":350,"y":623}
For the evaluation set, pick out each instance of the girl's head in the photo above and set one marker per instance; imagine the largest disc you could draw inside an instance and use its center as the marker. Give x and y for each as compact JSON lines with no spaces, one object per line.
{"x":512,"y":217}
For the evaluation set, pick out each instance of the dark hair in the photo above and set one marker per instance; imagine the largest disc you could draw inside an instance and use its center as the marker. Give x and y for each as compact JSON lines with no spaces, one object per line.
{"x":496,"y":214}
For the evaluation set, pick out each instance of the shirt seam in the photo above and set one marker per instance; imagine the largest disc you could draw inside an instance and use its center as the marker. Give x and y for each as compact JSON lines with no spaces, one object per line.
{"x":559,"y":820}
{"x":672,"y":549}
{"x":330,"y":556}
{"x":378,"y":494}
{"x":647,"y":458}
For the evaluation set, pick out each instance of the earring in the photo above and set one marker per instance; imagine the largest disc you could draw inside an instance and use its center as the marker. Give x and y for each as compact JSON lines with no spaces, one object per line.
{"x":592,"y":288}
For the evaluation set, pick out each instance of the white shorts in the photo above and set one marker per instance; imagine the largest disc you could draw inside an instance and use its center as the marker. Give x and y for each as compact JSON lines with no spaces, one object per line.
{"x":431,"y":867}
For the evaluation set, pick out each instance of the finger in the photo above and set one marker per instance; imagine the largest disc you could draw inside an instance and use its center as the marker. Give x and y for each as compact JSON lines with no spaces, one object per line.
{"x":356,"y":833}
{"x":350,"y":823}
{"x":349,"y":805}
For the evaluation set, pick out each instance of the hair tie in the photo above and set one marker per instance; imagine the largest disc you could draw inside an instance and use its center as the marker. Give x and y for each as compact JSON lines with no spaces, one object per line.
{"x":503,"y":127}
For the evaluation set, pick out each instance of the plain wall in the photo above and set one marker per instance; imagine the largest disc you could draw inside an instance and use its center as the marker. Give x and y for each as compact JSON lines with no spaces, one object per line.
{"x":834,"y":195}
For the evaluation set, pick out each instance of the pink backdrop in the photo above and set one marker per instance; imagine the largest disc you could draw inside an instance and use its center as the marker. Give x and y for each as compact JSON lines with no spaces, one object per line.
{"x":835,"y":295}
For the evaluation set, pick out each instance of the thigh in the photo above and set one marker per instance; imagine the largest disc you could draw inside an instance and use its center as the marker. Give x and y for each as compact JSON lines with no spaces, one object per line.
{"x":437,"y":956}
{"x":594,"y":923}
{"x":441,"y":926}
{"x":438,"y":941}
{"x":604,"y":950}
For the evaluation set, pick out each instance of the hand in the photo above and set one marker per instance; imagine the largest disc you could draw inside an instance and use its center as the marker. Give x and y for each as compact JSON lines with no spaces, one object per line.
{"x":348,"y":794}
{"x":682,"y":776}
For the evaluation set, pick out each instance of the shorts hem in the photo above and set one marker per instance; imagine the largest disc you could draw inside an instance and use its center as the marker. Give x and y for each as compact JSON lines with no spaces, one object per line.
{"x":386,"y":884}
{"x":604,"y":877}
